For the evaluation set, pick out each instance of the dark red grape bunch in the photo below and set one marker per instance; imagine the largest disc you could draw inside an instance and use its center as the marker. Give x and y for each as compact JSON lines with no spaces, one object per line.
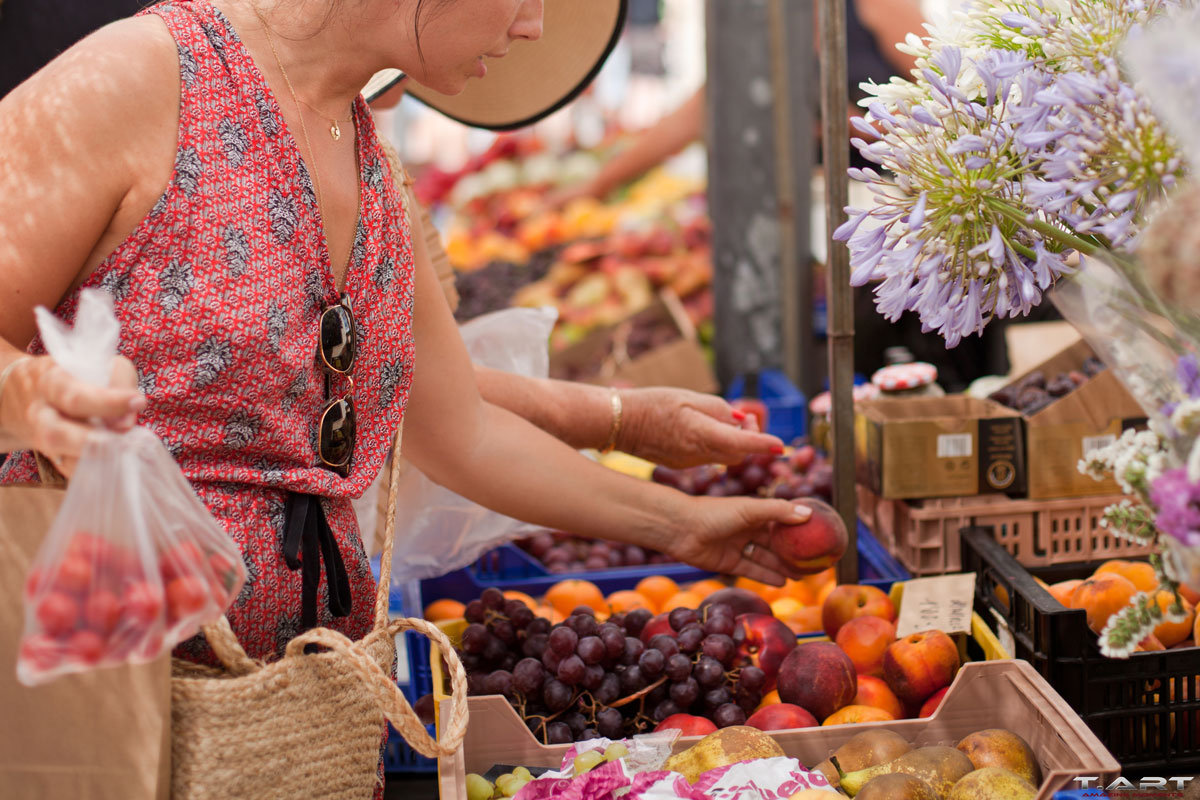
{"x":584,"y":678}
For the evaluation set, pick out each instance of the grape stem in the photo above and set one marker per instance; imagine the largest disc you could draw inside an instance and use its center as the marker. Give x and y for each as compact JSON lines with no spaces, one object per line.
{"x":639,"y":694}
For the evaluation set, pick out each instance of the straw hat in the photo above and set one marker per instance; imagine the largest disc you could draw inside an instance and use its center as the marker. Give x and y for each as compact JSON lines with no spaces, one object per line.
{"x":535,"y":78}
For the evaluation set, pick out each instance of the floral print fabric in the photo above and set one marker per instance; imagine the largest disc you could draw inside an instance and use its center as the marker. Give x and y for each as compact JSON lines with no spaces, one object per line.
{"x":219,"y":292}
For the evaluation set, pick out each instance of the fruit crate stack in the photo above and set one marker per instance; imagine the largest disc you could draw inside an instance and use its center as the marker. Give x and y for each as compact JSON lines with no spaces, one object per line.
{"x":923,"y":534}
{"x":1145,"y":708}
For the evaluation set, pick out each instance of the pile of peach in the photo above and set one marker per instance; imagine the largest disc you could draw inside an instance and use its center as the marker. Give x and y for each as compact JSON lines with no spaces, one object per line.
{"x":1110,"y":588}
{"x":797,"y":604}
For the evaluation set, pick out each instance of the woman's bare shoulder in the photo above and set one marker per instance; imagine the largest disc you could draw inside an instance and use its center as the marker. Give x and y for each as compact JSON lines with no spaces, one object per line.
{"x":127,"y":70}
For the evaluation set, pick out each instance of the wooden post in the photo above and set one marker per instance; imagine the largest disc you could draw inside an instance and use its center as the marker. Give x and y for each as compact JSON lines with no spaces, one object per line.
{"x":760,"y":159}
{"x":835,"y":134}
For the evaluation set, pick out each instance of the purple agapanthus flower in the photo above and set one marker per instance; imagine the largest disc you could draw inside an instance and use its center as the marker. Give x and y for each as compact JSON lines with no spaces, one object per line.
{"x":1104,"y":156}
{"x":1178,"y":502}
{"x":946,"y":238}
{"x":1187,"y":370}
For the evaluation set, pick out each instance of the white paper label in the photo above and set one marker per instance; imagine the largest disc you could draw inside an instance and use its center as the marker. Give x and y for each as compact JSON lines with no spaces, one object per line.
{"x":954,"y":445}
{"x":941,"y":603}
{"x":1091,"y":443}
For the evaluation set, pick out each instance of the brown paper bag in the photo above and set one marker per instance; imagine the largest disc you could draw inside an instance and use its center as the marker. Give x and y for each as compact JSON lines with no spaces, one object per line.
{"x":91,"y":736}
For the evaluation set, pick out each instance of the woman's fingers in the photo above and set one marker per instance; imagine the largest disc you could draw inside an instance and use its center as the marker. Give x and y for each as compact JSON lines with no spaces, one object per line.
{"x":73,"y":398}
{"x":58,"y":438}
{"x":728,"y":444}
{"x":755,"y":571}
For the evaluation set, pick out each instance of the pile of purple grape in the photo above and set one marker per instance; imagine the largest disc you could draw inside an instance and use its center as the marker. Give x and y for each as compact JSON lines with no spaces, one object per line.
{"x":803,"y":472}
{"x":583,"y":678}
{"x":561,"y":552}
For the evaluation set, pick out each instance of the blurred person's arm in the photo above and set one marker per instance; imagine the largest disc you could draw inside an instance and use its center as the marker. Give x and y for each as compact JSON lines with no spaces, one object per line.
{"x":889,"y":22}
{"x":650,"y":148}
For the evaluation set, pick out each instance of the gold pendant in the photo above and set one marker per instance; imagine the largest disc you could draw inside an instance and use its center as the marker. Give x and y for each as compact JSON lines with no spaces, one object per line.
{"x":335,"y":131}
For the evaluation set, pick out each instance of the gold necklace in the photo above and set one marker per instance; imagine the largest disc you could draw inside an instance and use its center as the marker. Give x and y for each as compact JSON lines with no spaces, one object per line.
{"x":334,"y":130}
{"x":303,"y":128}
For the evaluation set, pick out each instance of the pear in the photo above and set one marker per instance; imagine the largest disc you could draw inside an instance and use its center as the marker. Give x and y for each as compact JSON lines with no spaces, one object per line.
{"x":940,"y":767}
{"x":867,"y":749}
{"x":997,"y":747}
{"x":722,"y":748}
{"x":897,"y":786}
{"x":993,"y":783}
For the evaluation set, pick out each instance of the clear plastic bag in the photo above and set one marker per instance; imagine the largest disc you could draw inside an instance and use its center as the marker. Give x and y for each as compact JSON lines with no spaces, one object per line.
{"x":134,"y":563}
{"x":437,"y":530}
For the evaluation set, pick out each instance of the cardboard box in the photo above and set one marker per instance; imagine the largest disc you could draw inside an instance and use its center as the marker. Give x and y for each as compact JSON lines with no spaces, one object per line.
{"x":603,"y":356}
{"x":1058,"y":436}
{"x":938,"y":447}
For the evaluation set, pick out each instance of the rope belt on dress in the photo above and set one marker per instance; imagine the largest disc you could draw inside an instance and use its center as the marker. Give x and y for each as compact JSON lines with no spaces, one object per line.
{"x":307,"y":540}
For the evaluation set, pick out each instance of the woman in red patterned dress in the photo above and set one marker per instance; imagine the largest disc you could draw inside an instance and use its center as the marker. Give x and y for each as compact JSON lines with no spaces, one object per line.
{"x":214,"y":168}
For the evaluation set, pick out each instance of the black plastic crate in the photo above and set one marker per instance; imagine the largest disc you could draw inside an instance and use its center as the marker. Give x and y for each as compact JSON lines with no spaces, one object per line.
{"x":1146,"y":709}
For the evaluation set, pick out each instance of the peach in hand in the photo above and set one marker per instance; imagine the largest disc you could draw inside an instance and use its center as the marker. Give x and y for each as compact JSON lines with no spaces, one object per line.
{"x":814,"y":545}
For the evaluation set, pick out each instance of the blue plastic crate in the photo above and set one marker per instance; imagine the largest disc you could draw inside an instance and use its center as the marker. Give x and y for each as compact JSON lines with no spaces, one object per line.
{"x":787,"y":408}
{"x":414,"y":675}
{"x":876,"y":566}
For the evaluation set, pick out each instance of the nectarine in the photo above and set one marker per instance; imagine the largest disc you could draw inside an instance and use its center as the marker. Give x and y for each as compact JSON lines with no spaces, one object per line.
{"x":781,"y":717}
{"x":814,"y":545}
{"x":875,"y":692}
{"x":919,"y":664}
{"x":865,"y":639}
{"x":848,"y":601}
{"x":687,"y":725}
{"x":854,"y":714}
{"x":818,"y":677}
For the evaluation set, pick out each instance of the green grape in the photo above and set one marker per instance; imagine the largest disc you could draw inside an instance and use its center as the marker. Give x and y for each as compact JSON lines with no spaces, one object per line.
{"x":510,"y":784}
{"x":588,"y":760}
{"x":523,"y":774}
{"x":478,"y":787}
{"x":615,"y":751}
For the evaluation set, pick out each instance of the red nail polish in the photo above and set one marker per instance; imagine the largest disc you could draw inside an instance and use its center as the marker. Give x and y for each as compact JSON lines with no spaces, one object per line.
{"x":738,"y":415}
{"x":777,"y":449}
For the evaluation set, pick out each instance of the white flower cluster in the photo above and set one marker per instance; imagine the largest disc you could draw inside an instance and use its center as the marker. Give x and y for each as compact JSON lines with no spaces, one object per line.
{"x":1135,"y":460}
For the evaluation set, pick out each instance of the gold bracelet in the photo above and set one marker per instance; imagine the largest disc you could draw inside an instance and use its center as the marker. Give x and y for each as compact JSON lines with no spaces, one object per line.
{"x":617,"y":412}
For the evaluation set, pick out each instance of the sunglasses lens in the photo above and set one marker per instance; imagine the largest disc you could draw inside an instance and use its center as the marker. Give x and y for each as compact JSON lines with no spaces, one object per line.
{"x":338,"y":341}
{"x":337,"y":433}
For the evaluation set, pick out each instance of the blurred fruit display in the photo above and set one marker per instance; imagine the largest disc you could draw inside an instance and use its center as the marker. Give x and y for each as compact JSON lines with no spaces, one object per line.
{"x":597,"y":263}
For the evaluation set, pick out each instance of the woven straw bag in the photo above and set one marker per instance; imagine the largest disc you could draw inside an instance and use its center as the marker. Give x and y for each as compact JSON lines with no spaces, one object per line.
{"x":310,"y":724}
